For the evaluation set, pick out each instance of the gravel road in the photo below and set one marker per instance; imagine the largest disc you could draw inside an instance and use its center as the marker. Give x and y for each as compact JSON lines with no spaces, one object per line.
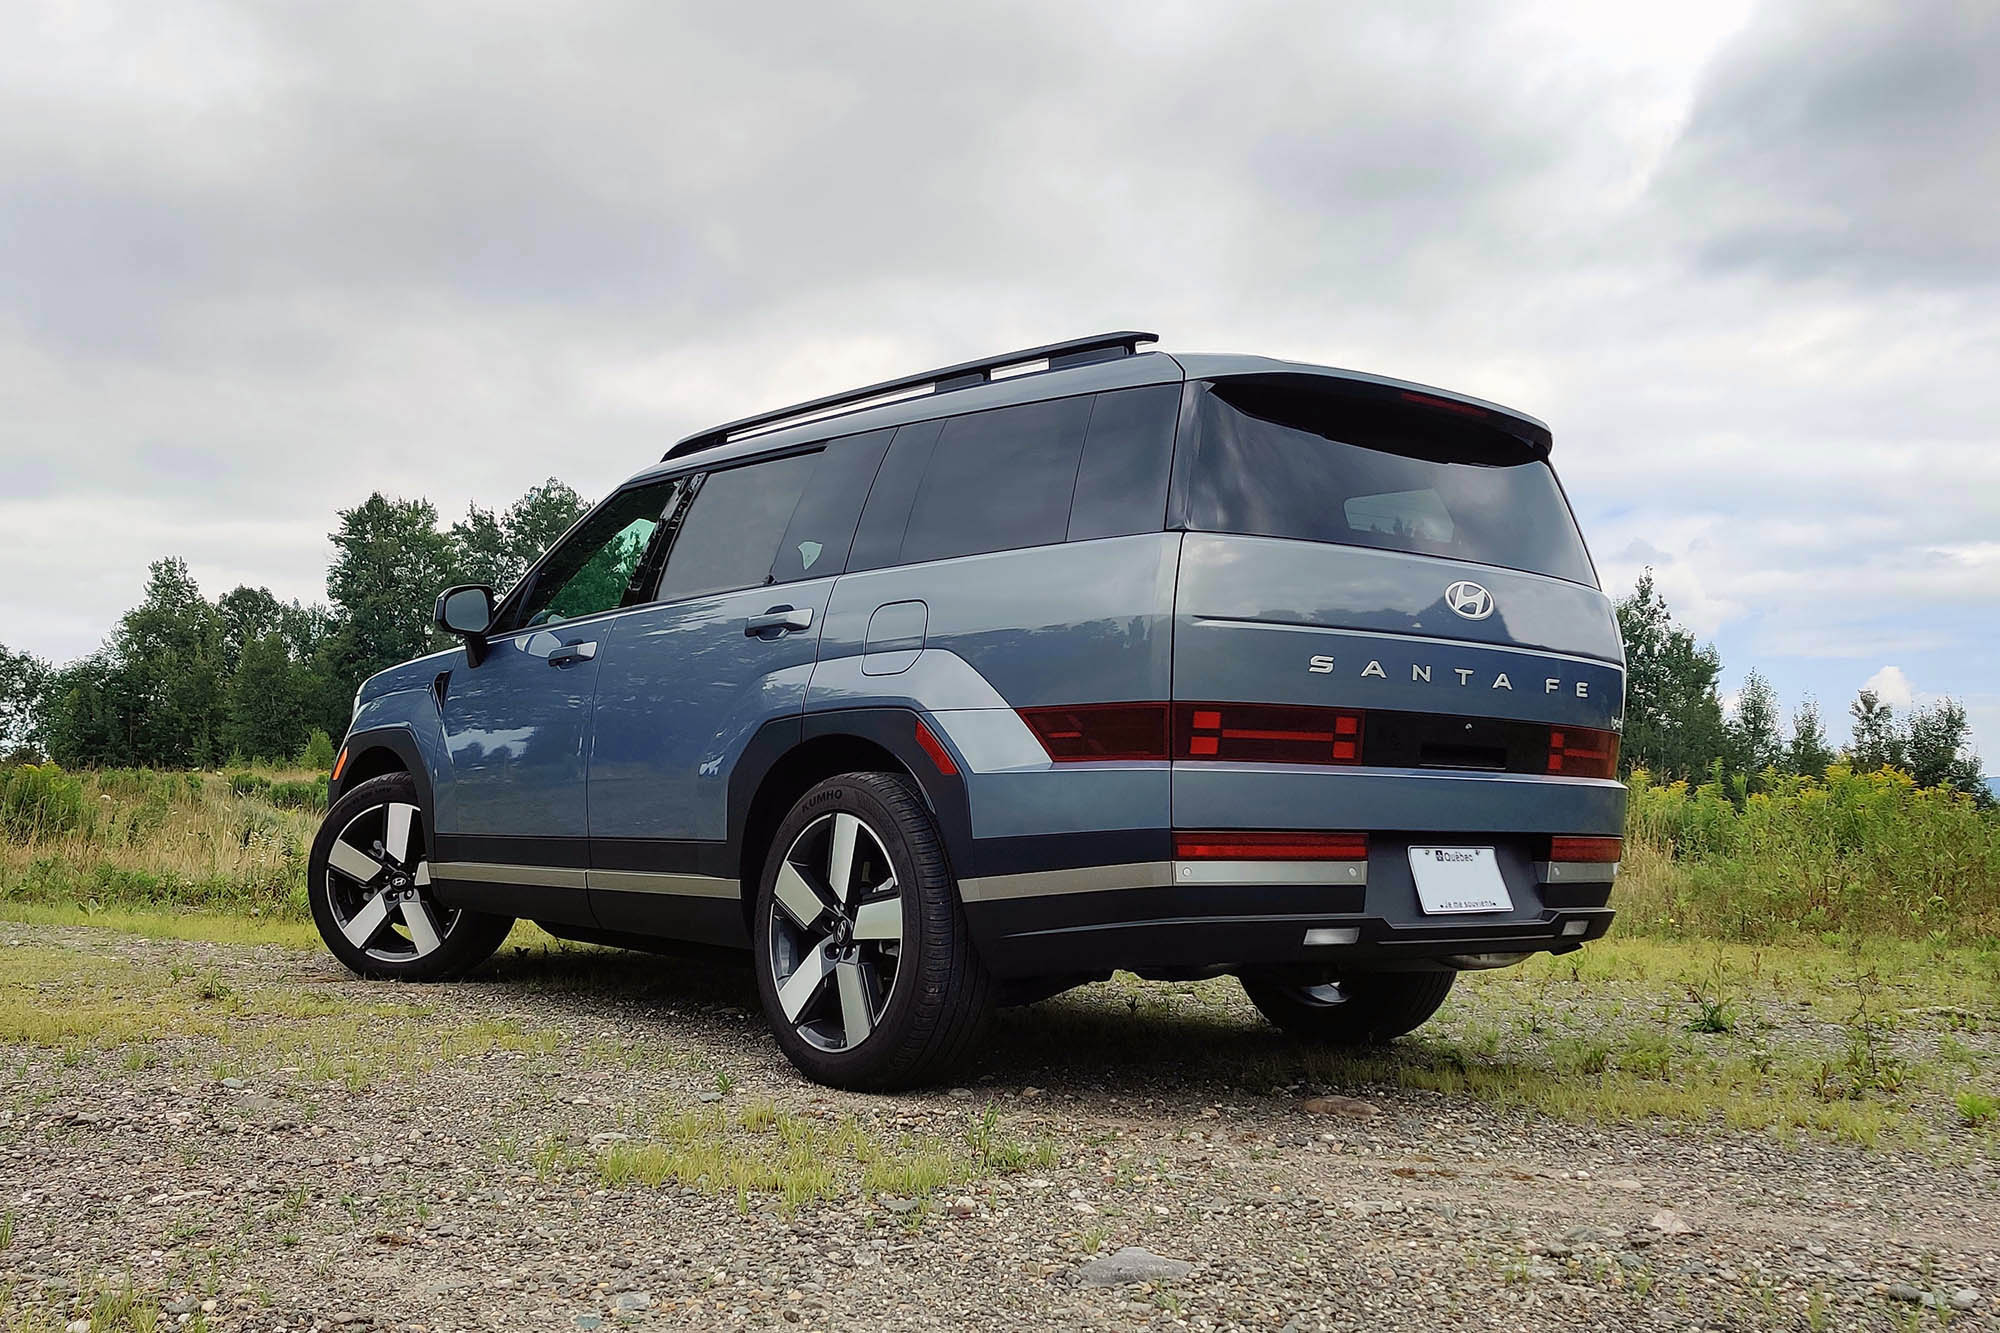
{"x":230,"y":1179}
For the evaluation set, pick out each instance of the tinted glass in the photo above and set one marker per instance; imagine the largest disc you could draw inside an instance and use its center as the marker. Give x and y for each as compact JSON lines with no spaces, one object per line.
{"x":731,"y":531}
{"x":880,"y":538}
{"x":1320,"y":468}
{"x":600,"y":566}
{"x":998,"y":480}
{"x":1121,"y":485}
{"x":822,"y":527}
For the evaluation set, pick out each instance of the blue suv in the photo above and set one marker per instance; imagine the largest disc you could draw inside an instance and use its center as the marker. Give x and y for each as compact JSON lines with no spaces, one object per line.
{"x":962,"y":689}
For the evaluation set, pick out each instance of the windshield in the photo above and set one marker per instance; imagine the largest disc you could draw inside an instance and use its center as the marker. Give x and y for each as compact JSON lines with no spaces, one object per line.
{"x":1314,"y":466}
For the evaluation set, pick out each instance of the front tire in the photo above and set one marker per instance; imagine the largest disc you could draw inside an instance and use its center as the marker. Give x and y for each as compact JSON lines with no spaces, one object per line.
{"x":1363,"y":1010}
{"x":369,"y":882}
{"x":864,"y":962}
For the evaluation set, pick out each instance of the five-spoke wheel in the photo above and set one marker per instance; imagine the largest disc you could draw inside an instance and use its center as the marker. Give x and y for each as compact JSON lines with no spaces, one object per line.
{"x":864,"y":962}
{"x":371,"y":890}
{"x":836,"y":932}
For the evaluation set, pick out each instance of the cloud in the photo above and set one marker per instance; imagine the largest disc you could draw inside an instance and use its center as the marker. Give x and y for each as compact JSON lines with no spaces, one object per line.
{"x":261,"y":260}
{"x":1892,"y":687}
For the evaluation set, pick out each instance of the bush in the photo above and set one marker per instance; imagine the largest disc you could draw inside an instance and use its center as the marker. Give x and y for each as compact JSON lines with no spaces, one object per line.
{"x":318,"y":753}
{"x":249,"y":784}
{"x":1852,"y":852}
{"x":42,"y":801}
{"x":304,"y":794}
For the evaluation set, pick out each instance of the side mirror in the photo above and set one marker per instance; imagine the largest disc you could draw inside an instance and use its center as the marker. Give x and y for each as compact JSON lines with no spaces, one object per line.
{"x":466,"y":610}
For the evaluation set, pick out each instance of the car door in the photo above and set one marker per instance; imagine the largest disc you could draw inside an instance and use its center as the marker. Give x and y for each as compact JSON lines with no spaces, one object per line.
{"x":516,"y":714}
{"x":727,"y":647}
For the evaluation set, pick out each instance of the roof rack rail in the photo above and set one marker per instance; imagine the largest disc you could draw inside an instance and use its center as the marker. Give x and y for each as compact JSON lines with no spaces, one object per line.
{"x":965,"y":375}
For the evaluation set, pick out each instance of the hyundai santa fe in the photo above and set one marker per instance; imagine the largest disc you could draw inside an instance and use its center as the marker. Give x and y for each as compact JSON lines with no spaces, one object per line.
{"x":962,"y":689}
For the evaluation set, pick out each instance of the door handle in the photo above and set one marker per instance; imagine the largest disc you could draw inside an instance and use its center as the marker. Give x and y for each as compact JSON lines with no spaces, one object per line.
{"x":572,"y":653}
{"x":779,"y":618}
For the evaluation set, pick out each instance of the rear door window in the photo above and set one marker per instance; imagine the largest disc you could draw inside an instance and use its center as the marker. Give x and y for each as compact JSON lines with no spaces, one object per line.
{"x":729,"y":538}
{"x":1315,"y":466}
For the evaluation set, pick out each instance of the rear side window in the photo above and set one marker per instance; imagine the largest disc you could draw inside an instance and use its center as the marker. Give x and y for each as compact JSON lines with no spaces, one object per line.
{"x":1121,"y":485}
{"x":1286,"y":462}
{"x":729,"y":538}
{"x":998,"y":480}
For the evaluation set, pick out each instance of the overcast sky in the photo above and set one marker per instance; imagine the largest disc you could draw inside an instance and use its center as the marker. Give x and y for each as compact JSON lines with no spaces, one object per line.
{"x":257,"y":260}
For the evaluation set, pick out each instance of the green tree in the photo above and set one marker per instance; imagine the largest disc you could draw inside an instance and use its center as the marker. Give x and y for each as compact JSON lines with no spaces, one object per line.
{"x":1752,"y":731}
{"x":24,"y":679}
{"x":389,"y":564}
{"x":168,"y":654}
{"x":479,"y":550}
{"x":1673,"y":713}
{"x":246,"y":613}
{"x":268,"y":702}
{"x":532,"y":524}
{"x":1937,"y":743}
{"x":1877,"y":741}
{"x":1809,"y":752}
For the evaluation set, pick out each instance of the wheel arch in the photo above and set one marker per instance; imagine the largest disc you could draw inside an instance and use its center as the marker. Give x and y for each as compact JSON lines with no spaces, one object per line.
{"x":371,"y":754}
{"x":804,"y":753}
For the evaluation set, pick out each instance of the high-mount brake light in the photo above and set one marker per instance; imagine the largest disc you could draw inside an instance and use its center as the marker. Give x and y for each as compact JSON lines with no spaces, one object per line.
{"x":1586,"y":849}
{"x":1268,"y":733}
{"x":1442,"y":404}
{"x":1087,"y":732}
{"x":1580,"y":752}
{"x":1270,"y":846}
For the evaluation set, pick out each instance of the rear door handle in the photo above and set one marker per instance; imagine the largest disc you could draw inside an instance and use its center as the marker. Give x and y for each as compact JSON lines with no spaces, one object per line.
{"x":572,"y":653}
{"x":779,"y":618}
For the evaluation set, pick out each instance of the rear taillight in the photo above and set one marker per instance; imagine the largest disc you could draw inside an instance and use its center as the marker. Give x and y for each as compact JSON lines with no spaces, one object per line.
{"x":1267,"y":734}
{"x":1233,"y":846}
{"x":1580,"y":752}
{"x":1100,"y":731}
{"x":1586,"y":849}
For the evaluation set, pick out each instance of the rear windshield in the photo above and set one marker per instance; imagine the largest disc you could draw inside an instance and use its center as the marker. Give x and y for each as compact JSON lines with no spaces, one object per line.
{"x":1280,"y":462}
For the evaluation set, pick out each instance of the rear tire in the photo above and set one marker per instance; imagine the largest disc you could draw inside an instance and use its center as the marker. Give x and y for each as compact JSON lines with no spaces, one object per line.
{"x":368,"y":880}
{"x":1363,"y":1010}
{"x":864,"y":962}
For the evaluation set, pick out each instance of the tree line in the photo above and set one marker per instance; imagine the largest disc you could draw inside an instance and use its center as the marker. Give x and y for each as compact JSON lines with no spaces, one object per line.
{"x":1676,"y":727}
{"x":184,"y":682}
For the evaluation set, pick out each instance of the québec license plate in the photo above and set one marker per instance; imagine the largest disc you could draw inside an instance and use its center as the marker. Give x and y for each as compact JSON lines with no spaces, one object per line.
{"x":1458,"y":879}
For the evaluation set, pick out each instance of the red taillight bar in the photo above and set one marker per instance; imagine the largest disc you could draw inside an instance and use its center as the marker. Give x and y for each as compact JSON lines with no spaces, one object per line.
{"x":1581,"y":752}
{"x":1084,"y":732}
{"x":1586,"y":849}
{"x":1233,"y":846}
{"x":1267,"y":733}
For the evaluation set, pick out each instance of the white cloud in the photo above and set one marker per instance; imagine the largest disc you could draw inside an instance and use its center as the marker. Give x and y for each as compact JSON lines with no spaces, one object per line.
{"x":1892,"y":687}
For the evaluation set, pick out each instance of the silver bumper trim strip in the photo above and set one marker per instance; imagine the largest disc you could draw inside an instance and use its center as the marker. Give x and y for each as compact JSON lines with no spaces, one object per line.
{"x":1084,"y":879}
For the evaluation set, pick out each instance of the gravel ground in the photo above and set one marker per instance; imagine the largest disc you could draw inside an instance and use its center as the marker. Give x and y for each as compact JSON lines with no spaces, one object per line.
{"x":230,"y":1189}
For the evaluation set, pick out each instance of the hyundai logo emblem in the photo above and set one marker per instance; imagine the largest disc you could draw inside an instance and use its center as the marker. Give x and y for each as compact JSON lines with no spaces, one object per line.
{"x":1469,"y":600}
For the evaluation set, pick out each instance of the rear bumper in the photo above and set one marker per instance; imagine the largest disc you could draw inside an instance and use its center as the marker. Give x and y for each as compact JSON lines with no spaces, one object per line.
{"x":1148,"y":914}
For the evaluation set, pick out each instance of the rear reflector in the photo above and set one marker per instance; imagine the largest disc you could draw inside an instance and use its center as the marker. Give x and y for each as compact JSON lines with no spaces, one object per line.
{"x":1100,"y":731}
{"x":1267,"y":734}
{"x":1580,"y":752}
{"x":1586,"y":849}
{"x":1232,"y":846}
{"x":934,"y":748}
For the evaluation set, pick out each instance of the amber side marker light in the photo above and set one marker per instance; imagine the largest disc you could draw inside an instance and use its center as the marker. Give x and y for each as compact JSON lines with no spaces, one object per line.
{"x":339,"y":762}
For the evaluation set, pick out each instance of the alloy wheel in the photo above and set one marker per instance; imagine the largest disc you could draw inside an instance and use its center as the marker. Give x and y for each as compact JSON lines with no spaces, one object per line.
{"x":378,"y":885}
{"x":836,"y":932}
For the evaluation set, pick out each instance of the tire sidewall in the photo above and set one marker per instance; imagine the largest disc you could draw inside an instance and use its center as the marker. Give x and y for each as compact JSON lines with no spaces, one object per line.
{"x":472,"y":938}
{"x":851,"y":794}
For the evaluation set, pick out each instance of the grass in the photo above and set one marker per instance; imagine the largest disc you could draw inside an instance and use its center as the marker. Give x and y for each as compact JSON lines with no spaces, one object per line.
{"x":147,"y":1009}
{"x":796,"y":1159}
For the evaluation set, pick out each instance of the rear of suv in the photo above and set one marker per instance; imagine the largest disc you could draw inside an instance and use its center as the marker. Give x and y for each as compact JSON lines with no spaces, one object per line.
{"x":959,"y":690}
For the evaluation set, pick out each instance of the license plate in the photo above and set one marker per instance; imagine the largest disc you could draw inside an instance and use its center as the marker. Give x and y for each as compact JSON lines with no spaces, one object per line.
{"x":1458,"y":879}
